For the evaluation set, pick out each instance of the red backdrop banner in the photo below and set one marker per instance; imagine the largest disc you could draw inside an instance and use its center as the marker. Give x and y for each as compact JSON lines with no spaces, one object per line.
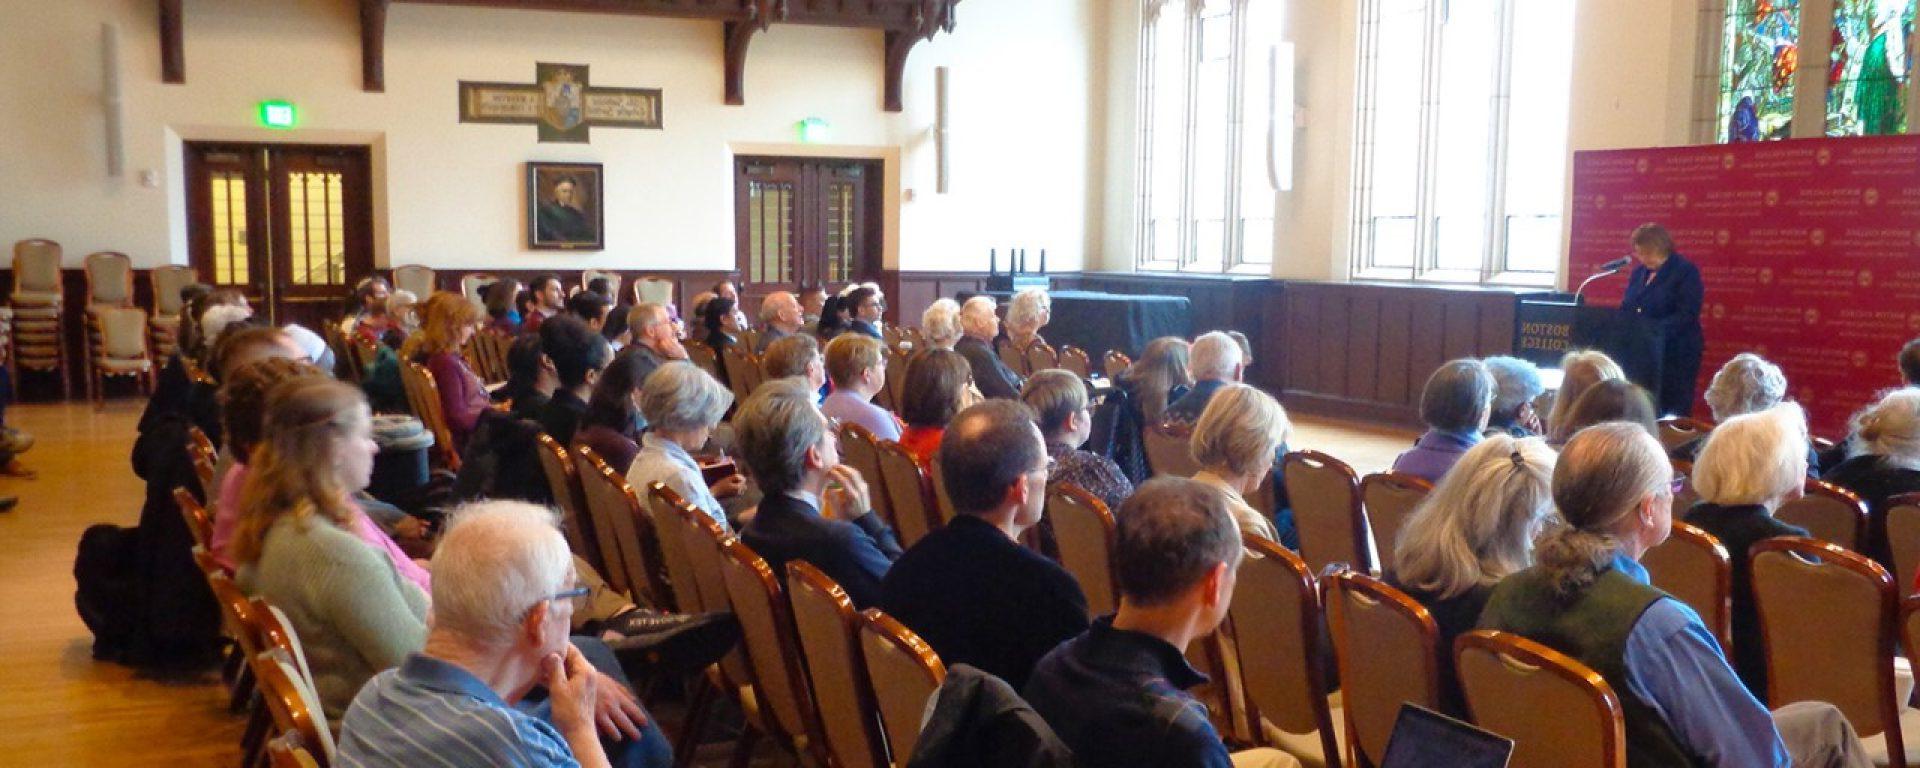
{"x":1810,"y":251}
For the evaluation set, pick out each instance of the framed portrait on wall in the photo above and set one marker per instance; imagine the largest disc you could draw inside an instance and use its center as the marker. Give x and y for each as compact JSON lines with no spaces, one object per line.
{"x":565,"y":207}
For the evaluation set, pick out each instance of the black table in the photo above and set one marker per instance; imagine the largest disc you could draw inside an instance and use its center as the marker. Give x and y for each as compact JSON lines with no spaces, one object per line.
{"x":1099,"y":322}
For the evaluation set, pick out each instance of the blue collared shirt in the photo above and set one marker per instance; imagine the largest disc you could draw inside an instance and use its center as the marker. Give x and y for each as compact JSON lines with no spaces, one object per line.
{"x":664,"y":461}
{"x":427,"y":712}
{"x":1675,"y":667}
{"x":1435,"y":453}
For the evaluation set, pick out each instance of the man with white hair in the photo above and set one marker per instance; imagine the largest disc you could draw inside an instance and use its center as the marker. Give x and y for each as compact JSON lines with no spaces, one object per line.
{"x":654,"y":339}
{"x":978,"y":326}
{"x":780,"y":317}
{"x":1215,"y":360}
{"x":503,"y":591}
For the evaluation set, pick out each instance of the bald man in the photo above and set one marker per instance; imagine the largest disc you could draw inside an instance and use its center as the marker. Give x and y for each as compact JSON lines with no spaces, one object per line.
{"x":780,"y":316}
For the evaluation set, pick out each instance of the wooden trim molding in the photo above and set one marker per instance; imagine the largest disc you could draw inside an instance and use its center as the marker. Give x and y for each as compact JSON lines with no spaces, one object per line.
{"x":173,"y":54}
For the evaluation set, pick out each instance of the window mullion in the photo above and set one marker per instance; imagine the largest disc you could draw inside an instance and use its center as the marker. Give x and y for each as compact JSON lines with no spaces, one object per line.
{"x":1810,"y":80}
{"x":1494,"y":254}
{"x":1424,"y":252}
{"x":1232,"y":232}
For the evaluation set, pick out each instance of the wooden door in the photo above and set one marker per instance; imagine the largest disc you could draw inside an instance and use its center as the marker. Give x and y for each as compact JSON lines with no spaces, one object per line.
{"x":803,"y":221}
{"x":288,"y":225}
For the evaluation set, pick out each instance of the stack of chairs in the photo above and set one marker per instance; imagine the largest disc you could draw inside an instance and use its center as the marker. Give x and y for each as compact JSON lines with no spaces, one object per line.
{"x":167,"y":308}
{"x":613,"y":278}
{"x":109,"y":298}
{"x":415,"y":278}
{"x":38,"y":321}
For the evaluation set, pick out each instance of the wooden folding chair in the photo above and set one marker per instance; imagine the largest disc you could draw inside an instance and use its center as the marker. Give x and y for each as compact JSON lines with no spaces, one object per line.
{"x":1168,"y":451}
{"x":288,"y":750}
{"x":1040,"y":357}
{"x":616,"y":510}
{"x":1903,"y":541}
{"x":909,"y":492}
{"x":702,"y":539}
{"x":1694,"y":568}
{"x":199,"y":523}
{"x":943,"y":504}
{"x":416,"y":278}
{"x":1830,"y":513}
{"x":1014,"y":357}
{"x":473,"y":285}
{"x":1386,"y":646}
{"x":827,"y":627}
{"x":1559,"y":713}
{"x":204,"y":456}
{"x":859,"y":449}
{"x":1085,"y":532}
{"x":1685,"y":496}
{"x":1276,"y":619}
{"x":1115,"y":363}
{"x":1325,"y":494}
{"x":904,"y":674}
{"x":563,"y":479}
{"x":423,"y":396}
{"x":1676,"y":431}
{"x":1075,"y":360}
{"x":1389,"y":499}
{"x":779,"y":677}
{"x":292,"y":704}
{"x":613,"y":279}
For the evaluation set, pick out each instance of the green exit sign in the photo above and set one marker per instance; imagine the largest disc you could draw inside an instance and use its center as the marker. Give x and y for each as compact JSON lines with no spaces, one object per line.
{"x":277,"y":114}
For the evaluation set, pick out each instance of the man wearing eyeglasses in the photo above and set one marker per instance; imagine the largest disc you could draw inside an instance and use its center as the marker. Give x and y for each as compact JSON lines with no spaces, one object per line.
{"x":504,"y":591}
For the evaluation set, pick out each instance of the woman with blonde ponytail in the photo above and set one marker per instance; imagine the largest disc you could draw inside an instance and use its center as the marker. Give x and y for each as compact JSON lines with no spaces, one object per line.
{"x":1587,"y":596}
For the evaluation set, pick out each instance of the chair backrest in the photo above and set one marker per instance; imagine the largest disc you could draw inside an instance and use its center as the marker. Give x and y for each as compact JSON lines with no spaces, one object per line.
{"x":909,"y":491}
{"x":123,"y":333}
{"x":779,"y":683}
{"x":36,"y":266}
{"x":1903,"y":538}
{"x":896,"y":391}
{"x":1040,"y":356}
{"x":166,"y":282}
{"x":652,"y":288}
{"x":663,"y":509}
{"x":1168,"y":453}
{"x":276,"y":631}
{"x":1559,"y":713}
{"x":415,"y":278}
{"x":1675,"y":431}
{"x":1325,"y":494}
{"x":1276,"y":625}
{"x":1685,"y":496}
{"x":473,"y":286}
{"x":1014,"y":357}
{"x":742,"y":368}
{"x":613,"y":279}
{"x":827,"y":627}
{"x":200,"y":449}
{"x":1694,"y":568}
{"x":1830,"y":513}
{"x":288,"y":750}
{"x":423,"y":396}
{"x":292,"y":704}
{"x":563,"y":478}
{"x":109,"y":279}
{"x":702,"y":538}
{"x":1385,"y":643}
{"x":612,"y":500}
{"x":1074,"y":360}
{"x":860,"y":450}
{"x":1827,"y":618}
{"x":236,"y":613}
{"x":1115,"y":363}
{"x":942,"y":503}
{"x":1085,"y":532}
{"x":904,"y":673}
{"x":199,"y":523}
{"x":702,"y":355}
{"x":487,"y":353}
{"x":1389,"y":499}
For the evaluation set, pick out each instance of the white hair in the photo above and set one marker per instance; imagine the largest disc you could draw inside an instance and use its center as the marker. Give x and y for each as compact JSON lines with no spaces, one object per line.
{"x":977,"y":311}
{"x":1023,"y":313}
{"x":399,"y":302}
{"x":1890,"y":429}
{"x":940,"y":324}
{"x":1746,"y":384}
{"x":679,"y":396}
{"x":1213,"y":357}
{"x":218,"y":317}
{"x":1754,"y":458}
{"x":497,"y":560}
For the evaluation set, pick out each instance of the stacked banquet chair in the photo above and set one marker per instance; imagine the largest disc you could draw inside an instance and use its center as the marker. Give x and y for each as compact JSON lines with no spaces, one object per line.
{"x":166,"y":283}
{"x":39,"y":326}
{"x":415,"y":278}
{"x":110,"y":302}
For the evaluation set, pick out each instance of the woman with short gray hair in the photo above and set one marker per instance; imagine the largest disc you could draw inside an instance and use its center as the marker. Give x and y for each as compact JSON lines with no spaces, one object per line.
{"x":1029,"y":311}
{"x":1234,"y":444}
{"x":1746,"y":384}
{"x":1456,"y":404}
{"x":940,"y":324}
{"x":682,"y":404}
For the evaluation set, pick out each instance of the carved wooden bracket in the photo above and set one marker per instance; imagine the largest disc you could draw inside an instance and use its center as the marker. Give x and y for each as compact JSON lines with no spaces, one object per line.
{"x":373,"y":46}
{"x":173,"y":52}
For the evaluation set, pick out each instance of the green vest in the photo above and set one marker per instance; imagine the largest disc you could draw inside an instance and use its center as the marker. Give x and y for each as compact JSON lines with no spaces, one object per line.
{"x":1592,"y":629}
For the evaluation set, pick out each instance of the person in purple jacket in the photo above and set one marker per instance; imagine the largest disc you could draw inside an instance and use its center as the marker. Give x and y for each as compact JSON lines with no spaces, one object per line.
{"x":1456,"y":404}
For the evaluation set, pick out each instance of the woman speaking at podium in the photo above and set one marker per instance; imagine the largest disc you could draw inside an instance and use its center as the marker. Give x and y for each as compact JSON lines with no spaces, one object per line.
{"x":1666,"y":288}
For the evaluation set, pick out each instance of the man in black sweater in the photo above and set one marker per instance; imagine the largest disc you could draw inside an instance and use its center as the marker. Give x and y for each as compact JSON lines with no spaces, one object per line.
{"x":969,"y":589}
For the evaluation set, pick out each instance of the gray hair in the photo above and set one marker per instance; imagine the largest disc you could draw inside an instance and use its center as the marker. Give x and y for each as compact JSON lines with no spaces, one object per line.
{"x":219,"y":316}
{"x":1213,"y":357}
{"x":976,"y":312}
{"x":1516,"y":382}
{"x":1746,"y":384}
{"x":1603,"y":475}
{"x":1458,"y":397}
{"x":774,"y":429}
{"x":771,"y":305}
{"x":1477,"y":526}
{"x":1754,"y":458}
{"x":940,"y":324}
{"x":1241,"y":427}
{"x":1025,"y":309}
{"x":1890,"y":429}
{"x":679,"y":397}
{"x":645,"y":316}
{"x":497,"y":560}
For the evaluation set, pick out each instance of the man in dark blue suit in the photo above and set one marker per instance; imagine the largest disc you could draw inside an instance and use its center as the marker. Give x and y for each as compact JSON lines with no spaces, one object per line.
{"x":795,"y":456}
{"x":1665,"y":288}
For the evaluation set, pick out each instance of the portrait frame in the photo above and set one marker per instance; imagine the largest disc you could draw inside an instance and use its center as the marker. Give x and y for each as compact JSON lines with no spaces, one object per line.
{"x":576,"y":224}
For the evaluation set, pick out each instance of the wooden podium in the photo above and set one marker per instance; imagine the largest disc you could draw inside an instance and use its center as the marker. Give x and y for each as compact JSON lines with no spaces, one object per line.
{"x":1636,"y":343}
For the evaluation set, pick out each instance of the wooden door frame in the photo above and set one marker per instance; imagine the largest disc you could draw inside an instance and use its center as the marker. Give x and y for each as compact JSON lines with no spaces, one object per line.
{"x":176,"y":137}
{"x":891,"y":188}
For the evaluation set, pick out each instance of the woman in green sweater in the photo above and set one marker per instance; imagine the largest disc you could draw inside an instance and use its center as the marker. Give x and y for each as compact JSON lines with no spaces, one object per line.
{"x":301,"y":544}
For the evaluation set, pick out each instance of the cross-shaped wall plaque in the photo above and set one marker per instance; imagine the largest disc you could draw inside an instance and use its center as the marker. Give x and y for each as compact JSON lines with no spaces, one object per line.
{"x":561,"y":102}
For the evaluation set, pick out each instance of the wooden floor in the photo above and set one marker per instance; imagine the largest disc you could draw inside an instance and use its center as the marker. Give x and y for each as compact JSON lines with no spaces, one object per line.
{"x":59,"y":707}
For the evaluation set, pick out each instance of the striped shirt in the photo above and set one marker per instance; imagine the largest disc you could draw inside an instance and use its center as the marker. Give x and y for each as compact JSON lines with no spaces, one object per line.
{"x":427,"y":712}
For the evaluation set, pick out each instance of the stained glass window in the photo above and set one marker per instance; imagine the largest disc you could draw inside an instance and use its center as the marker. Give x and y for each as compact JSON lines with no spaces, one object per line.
{"x":1867,"y":75}
{"x":1761,"y":53}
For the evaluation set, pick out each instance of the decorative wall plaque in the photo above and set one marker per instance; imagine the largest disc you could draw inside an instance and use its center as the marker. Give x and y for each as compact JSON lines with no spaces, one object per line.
{"x":561,"y":102}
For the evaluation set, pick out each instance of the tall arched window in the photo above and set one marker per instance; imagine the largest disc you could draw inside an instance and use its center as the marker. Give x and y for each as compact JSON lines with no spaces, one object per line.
{"x":1461,"y":135}
{"x":1765,"y":55}
{"x":1215,"y":117}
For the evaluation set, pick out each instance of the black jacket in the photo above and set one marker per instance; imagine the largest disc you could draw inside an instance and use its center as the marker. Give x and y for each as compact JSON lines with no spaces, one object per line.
{"x":856,"y":554}
{"x":992,"y":376}
{"x":979,"y":720}
{"x":1738,"y":529}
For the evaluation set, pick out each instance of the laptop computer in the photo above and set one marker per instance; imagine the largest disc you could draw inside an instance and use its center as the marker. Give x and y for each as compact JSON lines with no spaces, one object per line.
{"x":1423,"y":738}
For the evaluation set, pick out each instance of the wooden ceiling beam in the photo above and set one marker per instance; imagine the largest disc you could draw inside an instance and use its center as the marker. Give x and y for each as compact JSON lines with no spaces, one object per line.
{"x":173,"y":52}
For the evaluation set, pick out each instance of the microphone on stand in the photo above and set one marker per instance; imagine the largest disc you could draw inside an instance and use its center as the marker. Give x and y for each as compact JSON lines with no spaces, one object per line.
{"x":1608,"y":269}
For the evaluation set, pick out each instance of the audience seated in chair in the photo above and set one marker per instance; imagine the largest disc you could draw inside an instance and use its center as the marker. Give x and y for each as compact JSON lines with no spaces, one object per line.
{"x":449,"y":323}
{"x":531,"y":378}
{"x":501,"y":300}
{"x":591,"y":308}
{"x":796,"y":356}
{"x":1234,"y":443}
{"x":549,"y":300}
{"x":612,"y":424}
{"x":1580,"y":370}
{"x":682,"y":405}
{"x":650,"y":328}
{"x":243,"y":402}
{"x":1138,"y":400}
{"x":578,"y":355}
{"x":1516,"y":385}
{"x":1752,"y":463}
{"x":969,"y":589}
{"x":1883,"y":461}
{"x":865,"y":304}
{"x":1059,"y":402}
{"x":979,"y":325}
{"x":857,"y":365}
{"x":1748,"y":383}
{"x":1028,"y":312}
{"x":1610,"y":400}
{"x":500,"y":629}
{"x":1475,"y":527}
{"x":936,"y":390}
{"x":1214,"y":361}
{"x":816,"y":509}
{"x":1116,"y":694}
{"x":1456,"y":405}
{"x":940,"y":324}
{"x":1587,"y":596}
{"x":780,"y":317}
